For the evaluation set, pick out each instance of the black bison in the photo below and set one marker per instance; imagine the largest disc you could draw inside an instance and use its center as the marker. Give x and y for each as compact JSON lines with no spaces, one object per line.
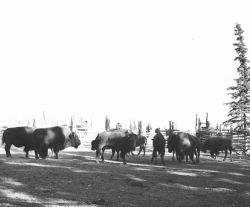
{"x":184,"y":145}
{"x":141,"y":142}
{"x":215,"y":144}
{"x":117,"y":140}
{"x":159,"y":143}
{"x":56,"y":138}
{"x":19,"y":137}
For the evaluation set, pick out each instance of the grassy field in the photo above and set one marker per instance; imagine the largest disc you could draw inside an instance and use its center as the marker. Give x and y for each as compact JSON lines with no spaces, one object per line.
{"x":76,"y":180}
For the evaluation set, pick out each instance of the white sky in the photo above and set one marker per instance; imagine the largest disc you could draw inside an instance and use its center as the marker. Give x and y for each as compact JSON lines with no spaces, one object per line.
{"x":146,"y":60}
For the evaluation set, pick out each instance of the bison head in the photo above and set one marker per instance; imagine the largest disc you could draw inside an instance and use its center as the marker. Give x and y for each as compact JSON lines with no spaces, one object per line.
{"x":74,"y":140}
{"x":94,"y":145}
{"x":171,"y":143}
{"x":205,"y":146}
{"x":133,"y":138}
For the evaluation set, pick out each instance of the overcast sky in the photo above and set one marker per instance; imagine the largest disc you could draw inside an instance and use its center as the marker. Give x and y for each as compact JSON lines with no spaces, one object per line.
{"x":146,"y":60}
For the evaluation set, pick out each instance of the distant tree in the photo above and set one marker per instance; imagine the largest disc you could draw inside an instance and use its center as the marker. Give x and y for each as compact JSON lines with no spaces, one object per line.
{"x":240,"y":104}
{"x":130,"y":126}
{"x":107,"y":123}
{"x":148,"y":128}
{"x":139,"y":127}
{"x":44,"y":119}
{"x":134,"y":126}
{"x":72,"y":124}
{"x":34,"y":123}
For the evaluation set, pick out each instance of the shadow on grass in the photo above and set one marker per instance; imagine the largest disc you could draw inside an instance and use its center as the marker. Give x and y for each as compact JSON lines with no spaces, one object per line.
{"x":76,"y":180}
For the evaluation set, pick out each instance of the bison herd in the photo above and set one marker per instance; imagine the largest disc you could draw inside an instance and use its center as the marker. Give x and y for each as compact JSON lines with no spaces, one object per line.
{"x":182,"y":145}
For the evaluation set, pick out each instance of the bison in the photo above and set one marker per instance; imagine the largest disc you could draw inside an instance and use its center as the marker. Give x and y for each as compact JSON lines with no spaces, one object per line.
{"x":184,"y":144}
{"x":141,"y":142}
{"x":56,"y":138}
{"x":215,"y":144}
{"x":159,"y":143}
{"x":117,"y":140}
{"x":19,"y":137}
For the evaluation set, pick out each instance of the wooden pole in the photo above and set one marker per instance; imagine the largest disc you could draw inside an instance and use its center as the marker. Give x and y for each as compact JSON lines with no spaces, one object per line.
{"x":71,"y":124}
{"x":199,"y":124}
{"x":196,"y":117}
{"x":207,"y":124}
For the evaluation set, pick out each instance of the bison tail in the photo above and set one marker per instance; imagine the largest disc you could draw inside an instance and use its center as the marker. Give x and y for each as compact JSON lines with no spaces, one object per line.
{"x":4,"y":137}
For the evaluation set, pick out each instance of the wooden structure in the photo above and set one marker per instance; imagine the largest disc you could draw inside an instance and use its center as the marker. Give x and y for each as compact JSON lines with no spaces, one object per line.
{"x":240,"y":139}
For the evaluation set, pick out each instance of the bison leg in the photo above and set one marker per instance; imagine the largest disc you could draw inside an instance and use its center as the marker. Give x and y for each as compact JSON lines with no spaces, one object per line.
{"x":56,"y":154}
{"x":186,"y":158}
{"x":180,"y":157}
{"x":113,"y":153}
{"x":102,"y":154}
{"x":55,"y":151}
{"x":198,"y":156}
{"x":26,"y":150}
{"x":36,"y":154}
{"x":162,"y":159}
{"x":213,"y":155}
{"x":140,"y":149}
{"x":7,"y":150}
{"x":123,"y":157}
{"x":173,"y":156}
{"x":45,"y":153}
{"x":144,"y":151}
{"x":118,"y":154}
{"x":191,"y":156}
{"x":97,"y":156}
{"x":225,"y":155}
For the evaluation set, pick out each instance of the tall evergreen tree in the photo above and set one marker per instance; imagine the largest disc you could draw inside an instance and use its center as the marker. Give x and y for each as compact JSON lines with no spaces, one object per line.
{"x":139,"y":127}
{"x":240,"y":104}
{"x":107,"y":123}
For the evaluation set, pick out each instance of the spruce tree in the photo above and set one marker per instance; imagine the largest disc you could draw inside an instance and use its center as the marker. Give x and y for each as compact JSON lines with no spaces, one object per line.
{"x":107,"y":123}
{"x":239,"y":107}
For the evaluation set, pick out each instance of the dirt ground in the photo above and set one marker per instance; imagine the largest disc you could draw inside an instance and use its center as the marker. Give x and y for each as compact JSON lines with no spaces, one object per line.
{"x":76,"y":180}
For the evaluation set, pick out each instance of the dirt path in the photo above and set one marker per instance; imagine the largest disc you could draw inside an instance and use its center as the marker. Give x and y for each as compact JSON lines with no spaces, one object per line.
{"x":76,"y":180}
